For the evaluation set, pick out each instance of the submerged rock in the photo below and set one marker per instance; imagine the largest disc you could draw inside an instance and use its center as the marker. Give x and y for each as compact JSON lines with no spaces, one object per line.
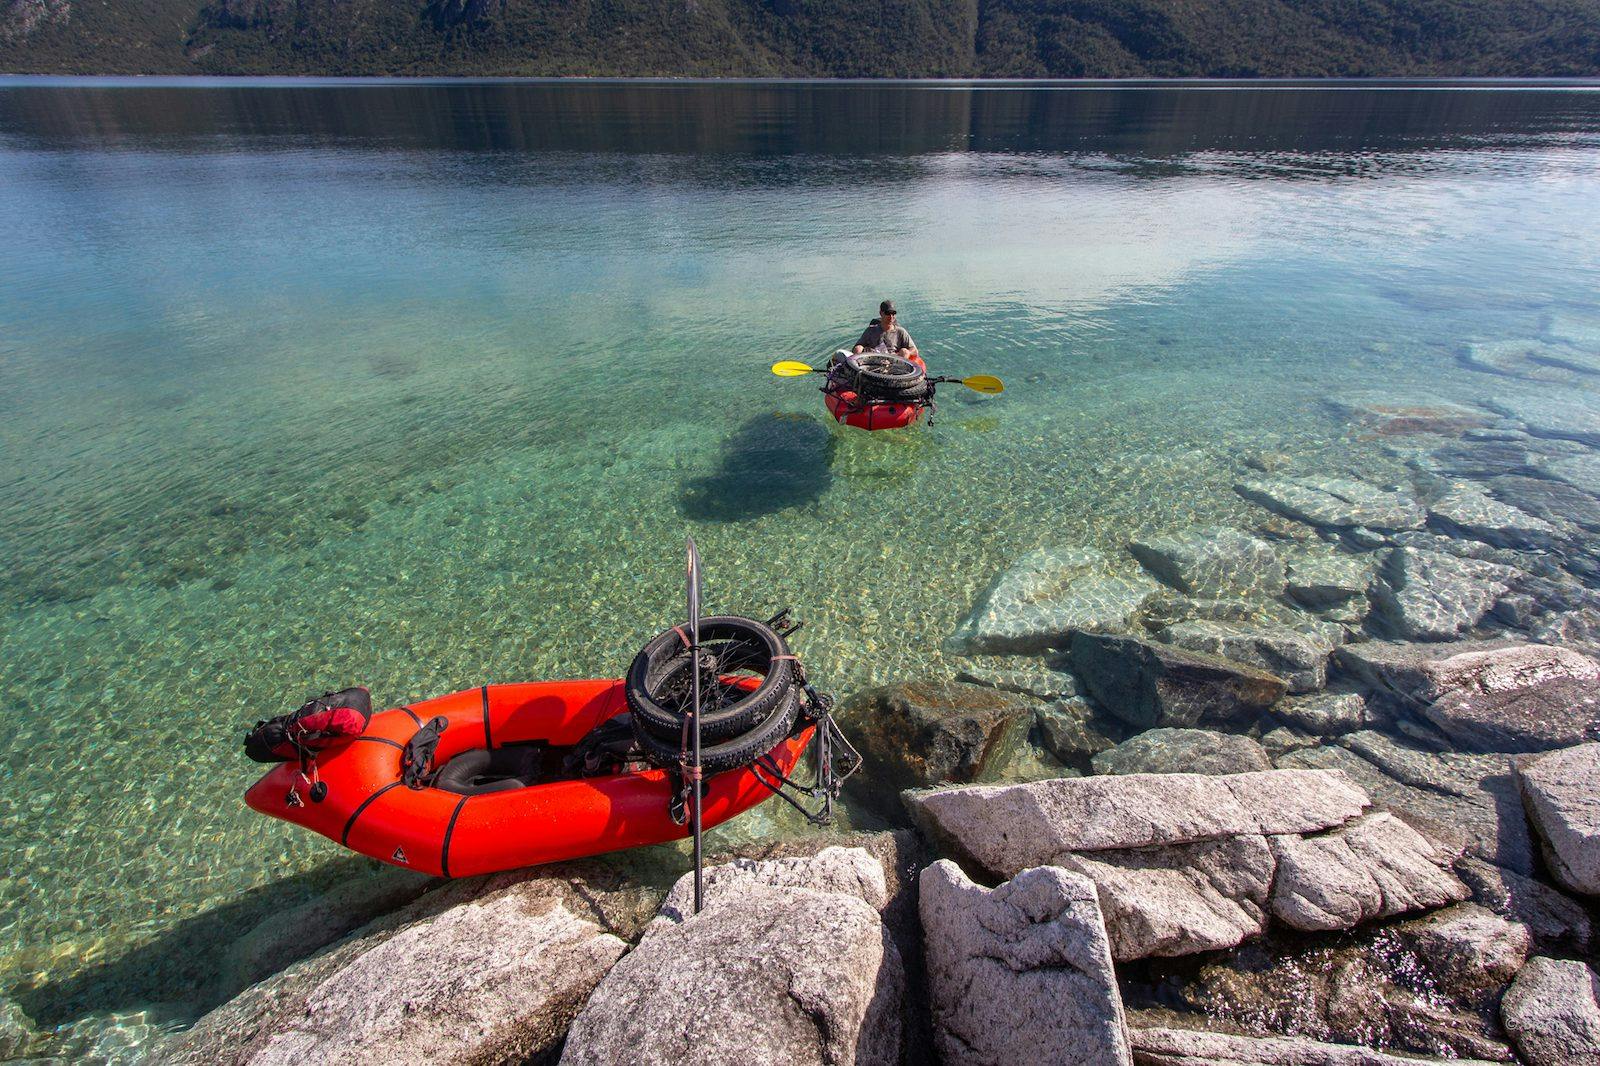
{"x":1299,"y":655}
{"x":1372,"y":867}
{"x":1581,"y":471}
{"x":1214,"y":562}
{"x":926,"y":732}
{"x":1565,"y":417}
{"x":1512,"y":358}
{"x":1020,"y":973}
{"x":1335,"y":503}
{"x":1045,"y":597}
{"x":1479,"y":459}
{"x":1021,"y":674}
{"x":1474,"y":513}
{"x":1325,"y":578}
{"x":1325,"y":714}
{"x":1425,"y":595}
{"x":1552,"y":1011}
{"x":1564,"y":805}
{"x":1554,"y":501}
{"x":1381,"y":413}
{"x":1075,"y":730}
{"x":1151,"y":684}
{"x":1183,"y":751}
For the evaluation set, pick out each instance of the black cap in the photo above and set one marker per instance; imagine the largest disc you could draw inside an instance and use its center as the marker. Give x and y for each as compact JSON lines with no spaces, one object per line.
{"x":887,"y":308}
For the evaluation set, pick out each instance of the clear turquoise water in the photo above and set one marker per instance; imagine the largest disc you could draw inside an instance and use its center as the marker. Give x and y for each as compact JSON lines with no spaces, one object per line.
{"x":416,"y":386}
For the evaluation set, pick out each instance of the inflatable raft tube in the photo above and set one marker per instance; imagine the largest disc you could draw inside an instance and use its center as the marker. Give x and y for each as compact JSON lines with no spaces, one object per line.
{"x":367,"y":808}
{"x":848,"y":408}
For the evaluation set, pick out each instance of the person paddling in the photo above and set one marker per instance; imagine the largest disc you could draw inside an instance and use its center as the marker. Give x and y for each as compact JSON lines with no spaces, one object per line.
{"x":885,"y":334}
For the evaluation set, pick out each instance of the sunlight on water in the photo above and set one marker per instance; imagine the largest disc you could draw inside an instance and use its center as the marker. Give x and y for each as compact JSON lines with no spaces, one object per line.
{"x":422,"y":386}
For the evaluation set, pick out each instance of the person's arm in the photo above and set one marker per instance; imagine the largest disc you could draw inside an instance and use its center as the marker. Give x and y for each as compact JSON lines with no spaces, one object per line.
{"x":911,"y":345}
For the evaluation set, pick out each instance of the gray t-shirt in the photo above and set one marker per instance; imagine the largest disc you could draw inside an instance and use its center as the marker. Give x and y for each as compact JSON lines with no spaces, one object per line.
{"x":891,"y":340}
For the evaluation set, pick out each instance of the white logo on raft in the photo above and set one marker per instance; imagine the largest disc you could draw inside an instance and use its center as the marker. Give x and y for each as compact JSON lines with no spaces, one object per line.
{"x":400,"y":856}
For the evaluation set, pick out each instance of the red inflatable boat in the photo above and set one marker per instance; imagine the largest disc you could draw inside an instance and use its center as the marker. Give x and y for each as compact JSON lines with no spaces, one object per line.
{"x":850,"y":408}
{"x":459,"y":825}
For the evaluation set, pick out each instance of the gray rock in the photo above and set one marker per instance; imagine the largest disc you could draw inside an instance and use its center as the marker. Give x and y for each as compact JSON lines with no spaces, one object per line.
{"x":1335,"y":503}
{"x":1007,"y":828}
{"x":1552,"y":1011}
{"x":765,"y":973}
{"x":1148,"y":684}
{"x":926,"y":732}
{"x":1045,"y":597}
{"x":1469,"y":950}
{"x":1557,"y":713}
{"x":1196,"y":1047}
{"x":1299,"y":656}
{"x":1373,"y":867}
{"x":1324,"y":578}
{"x":1214,"y":562}
{"x":1554,"y":501}
{"x":1554,"y":919}
{"x":1020,"y":973}
{"x":1563,"y":804}
{"x":1169,"y":607}
{"x":1325,"y":714}
{"x":1074,"y":730}
{"x":1016,"y":755}
{"x":1566,"y":417}
{"x":1020,"y":674}
{"x":1180,"y":751}
{"x":1282,"y":740}
{"x":494,"y":979}
{"x":1181,"y":899}
{"x":1470,"y":511}
{"x":845,"y":871}
{"x":1423,"y":595}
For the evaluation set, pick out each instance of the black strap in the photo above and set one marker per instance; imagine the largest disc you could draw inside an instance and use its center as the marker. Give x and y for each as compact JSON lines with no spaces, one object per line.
{"x":488,"y":742}
{"x":416,"y":759}
{"x":344,"y":838}
{"x":414,"y":716}
{"x":444,"y":852}
{"x":382,"y":740}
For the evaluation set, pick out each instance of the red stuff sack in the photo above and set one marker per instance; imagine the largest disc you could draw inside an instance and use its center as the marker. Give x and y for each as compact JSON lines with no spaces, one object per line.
{"x":317,"y":724}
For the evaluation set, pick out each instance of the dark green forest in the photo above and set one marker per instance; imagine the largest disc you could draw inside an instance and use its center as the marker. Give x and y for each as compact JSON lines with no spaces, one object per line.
{"x":819,"y":38}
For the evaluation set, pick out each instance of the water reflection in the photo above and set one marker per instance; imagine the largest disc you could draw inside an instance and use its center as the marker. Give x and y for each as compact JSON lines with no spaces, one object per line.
{"x":777,"y":119}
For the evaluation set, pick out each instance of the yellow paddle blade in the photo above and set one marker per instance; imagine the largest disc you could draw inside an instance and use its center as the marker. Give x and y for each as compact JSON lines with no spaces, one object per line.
{"x":789,"y":368}
{"x":981,"y":383}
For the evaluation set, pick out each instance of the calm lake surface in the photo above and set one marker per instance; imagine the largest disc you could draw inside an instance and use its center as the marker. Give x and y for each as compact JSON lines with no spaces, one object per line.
{"x":417,"y":386}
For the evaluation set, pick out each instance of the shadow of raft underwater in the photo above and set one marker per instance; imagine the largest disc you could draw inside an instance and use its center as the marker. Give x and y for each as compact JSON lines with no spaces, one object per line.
{"x":770,"y":463}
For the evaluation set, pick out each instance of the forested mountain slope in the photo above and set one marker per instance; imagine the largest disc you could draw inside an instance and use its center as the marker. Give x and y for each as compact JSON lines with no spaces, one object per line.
{"x":822,"y":38}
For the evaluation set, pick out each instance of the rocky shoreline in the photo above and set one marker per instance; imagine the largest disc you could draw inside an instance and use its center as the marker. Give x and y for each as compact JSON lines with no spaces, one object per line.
{"x":1319,"y":791}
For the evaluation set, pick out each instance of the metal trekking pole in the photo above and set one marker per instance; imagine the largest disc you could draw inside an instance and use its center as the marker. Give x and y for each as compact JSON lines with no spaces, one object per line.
{"x":695,"y":792}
